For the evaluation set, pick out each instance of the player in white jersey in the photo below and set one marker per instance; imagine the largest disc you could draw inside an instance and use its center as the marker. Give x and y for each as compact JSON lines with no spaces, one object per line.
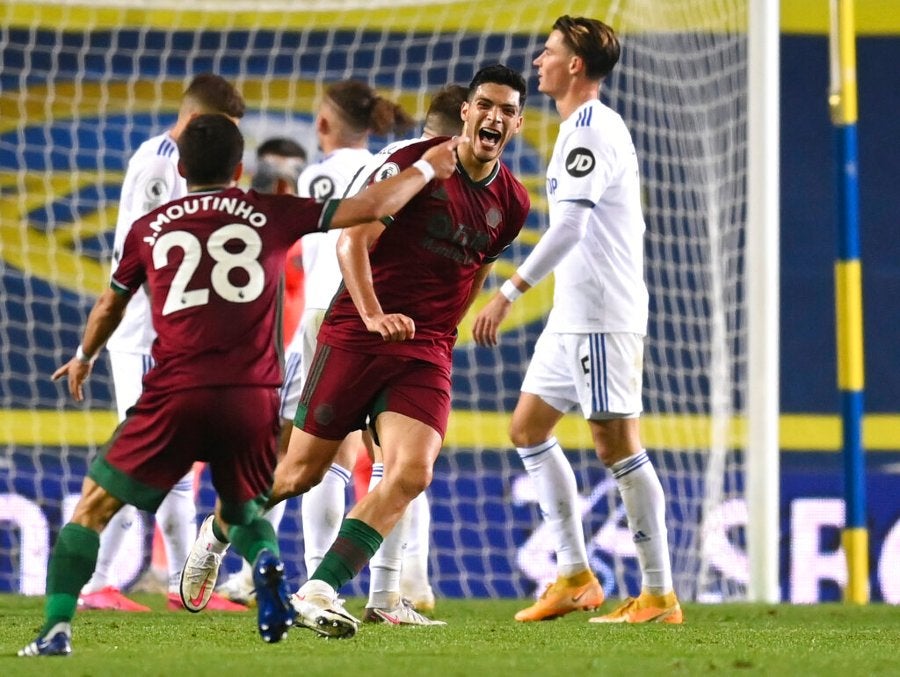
{"x":590,"y":354}
{"x":279,"y":161}
{"x":152,"y":179}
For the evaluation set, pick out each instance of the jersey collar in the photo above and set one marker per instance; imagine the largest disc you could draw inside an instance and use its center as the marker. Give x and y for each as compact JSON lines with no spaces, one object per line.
{"x":486,"y":181}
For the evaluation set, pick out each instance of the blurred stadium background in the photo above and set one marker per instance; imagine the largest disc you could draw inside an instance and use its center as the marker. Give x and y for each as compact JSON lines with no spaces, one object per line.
{"x":83,"y":83}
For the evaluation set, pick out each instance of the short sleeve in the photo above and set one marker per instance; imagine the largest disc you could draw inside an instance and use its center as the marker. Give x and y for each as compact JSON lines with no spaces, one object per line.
{"x":588,"y":165}
{"x":131,"y":273}
{"x":156,"y":183}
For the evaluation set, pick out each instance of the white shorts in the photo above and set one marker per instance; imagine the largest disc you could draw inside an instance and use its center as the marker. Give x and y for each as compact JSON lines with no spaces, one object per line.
{"x":297,"y":359}
{"x":128,"y":371}
{"x":600,"y":373}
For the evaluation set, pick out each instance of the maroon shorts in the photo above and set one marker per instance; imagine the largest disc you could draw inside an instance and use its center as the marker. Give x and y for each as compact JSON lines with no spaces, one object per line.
{"x":344,"y":389}
{"x":233,"y":429}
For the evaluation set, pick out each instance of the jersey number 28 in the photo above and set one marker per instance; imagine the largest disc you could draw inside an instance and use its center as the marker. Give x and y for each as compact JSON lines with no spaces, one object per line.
{"x":246,"y":259}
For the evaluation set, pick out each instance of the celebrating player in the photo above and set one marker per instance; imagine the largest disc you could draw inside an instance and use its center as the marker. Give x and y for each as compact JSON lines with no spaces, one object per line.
{"x":385,"y":347}
{"x":350,"y":111}
{"x":212,"y":261}
{"x":151,"y":180}
{"x":398,"y":583}
{"x":279,"y":163}
{"x":590,"y":353}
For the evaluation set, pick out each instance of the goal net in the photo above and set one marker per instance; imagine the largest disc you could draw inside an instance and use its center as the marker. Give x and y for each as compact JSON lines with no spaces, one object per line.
{"x":84,"y":83}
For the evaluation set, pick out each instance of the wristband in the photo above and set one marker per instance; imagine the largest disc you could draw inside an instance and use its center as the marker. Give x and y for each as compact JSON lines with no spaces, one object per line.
{"x":82,"y":356}
{"x":510,"y":291}
{"x":425,"y":167}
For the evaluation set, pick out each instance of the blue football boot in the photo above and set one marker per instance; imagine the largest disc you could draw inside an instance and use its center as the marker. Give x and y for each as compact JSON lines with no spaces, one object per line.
{"x":273,"y":599}
{"x":57,"y":642}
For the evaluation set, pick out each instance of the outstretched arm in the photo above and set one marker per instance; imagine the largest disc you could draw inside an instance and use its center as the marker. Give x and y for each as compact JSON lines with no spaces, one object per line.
{"x":387,"y":197}
{"x":104,"y":317}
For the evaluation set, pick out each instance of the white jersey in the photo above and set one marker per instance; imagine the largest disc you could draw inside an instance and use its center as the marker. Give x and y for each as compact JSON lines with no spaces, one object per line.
{"x":599,"y":285}
{"x":151,"y":180}
{"x":377,"y":162}
{"x":323,"y":180}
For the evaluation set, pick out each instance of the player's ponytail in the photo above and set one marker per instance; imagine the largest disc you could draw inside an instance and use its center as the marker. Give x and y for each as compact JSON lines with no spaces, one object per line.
{"x":388,"y":117}
{"x":363,"y":110}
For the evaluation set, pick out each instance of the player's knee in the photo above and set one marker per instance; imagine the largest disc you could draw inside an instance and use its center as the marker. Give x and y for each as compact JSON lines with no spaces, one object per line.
{"x":95,"y":510}
{"x":414,"y":481}
{"x":615,"y":440}
{"x":296,"y":479}
{"x":522,"y":435}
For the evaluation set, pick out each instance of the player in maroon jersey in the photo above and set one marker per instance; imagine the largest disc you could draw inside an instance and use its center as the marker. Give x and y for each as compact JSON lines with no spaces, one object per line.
{"x":212,"y":261}
{"x":384,"y":350}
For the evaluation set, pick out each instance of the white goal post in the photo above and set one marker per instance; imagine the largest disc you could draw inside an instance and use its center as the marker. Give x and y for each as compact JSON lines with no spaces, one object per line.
{"x":84,"y":82}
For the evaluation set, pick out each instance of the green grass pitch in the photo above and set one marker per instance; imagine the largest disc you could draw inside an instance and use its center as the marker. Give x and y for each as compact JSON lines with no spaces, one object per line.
{"x":480,"y":639}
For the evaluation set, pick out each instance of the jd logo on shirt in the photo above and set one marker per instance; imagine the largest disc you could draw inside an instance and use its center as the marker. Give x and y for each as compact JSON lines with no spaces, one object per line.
{"x":580,"y":162}
{"x":321,"y":188}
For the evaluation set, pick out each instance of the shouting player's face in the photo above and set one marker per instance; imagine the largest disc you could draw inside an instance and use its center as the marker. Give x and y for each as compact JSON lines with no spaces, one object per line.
{"x":492,"y":117}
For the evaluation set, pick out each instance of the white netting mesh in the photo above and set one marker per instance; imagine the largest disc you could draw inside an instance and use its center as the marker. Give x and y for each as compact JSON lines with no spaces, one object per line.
{"x":83,"y":84}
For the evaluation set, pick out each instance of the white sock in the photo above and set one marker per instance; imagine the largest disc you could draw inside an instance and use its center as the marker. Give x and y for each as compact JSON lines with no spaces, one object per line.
{"x":321,"y":512}
{"x":110,"y":541}
{"x":645,"y":506}
{"x":384,"y":567}
{"x":274,"y":515}
{"x":557,"y":492}
{"x":177,"y":520}
{"x":414,"y":572}
{"x":377,"y":474}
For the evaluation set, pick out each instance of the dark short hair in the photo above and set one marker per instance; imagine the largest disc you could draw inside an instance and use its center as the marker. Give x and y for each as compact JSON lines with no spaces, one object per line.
{"x":591,"y":40}
{"x":210,"y":148}
{"x":281,"y":146}
{"x":216,"y":95}
{"x":443,"y":116}
{"x":499,"y":74}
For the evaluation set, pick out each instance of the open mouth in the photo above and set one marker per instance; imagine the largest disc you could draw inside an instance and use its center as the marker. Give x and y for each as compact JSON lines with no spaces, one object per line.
{"x":489,"y":138}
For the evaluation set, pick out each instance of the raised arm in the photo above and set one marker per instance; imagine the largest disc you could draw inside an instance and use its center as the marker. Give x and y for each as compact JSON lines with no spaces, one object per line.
{"x":103,"y":319}
{"x":387,"y":197}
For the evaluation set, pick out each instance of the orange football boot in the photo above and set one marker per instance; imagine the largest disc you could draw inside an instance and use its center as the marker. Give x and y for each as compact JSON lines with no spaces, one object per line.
{"x":646,"y":608}
{"x":581,"y":592}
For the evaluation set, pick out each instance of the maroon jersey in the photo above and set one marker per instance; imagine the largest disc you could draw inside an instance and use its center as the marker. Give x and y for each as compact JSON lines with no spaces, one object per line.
{"x":425,"y":261}
{"x":212,"y":264}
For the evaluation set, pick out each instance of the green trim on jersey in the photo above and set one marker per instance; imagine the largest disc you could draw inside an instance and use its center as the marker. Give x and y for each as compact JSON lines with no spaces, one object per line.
{"x":485,"y":182}
{"x":119,"y":289}
{"x":331,"y":206}
{"x":126,"y":488}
